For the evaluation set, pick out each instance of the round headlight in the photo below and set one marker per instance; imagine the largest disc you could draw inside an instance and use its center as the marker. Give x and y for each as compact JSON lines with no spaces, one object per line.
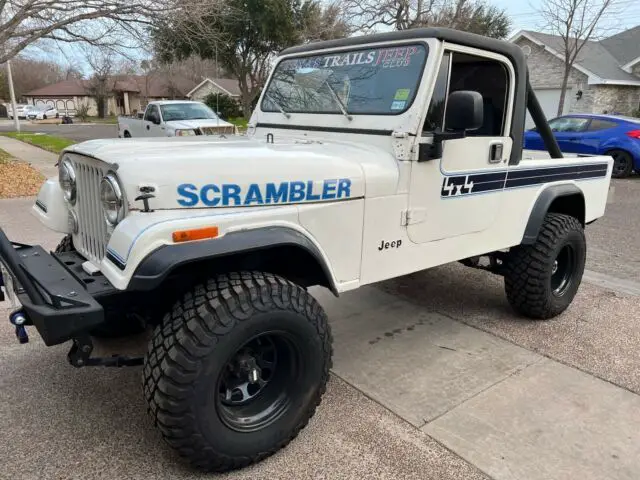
{"x":112,"y":200}
{"x":67,"y":179}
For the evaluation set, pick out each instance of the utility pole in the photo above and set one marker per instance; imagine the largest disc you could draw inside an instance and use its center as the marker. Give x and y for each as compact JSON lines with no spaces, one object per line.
{"x":12,"y":93}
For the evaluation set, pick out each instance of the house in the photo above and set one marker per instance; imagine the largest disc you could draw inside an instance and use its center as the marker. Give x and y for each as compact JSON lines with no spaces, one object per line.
{"x":604,"y":79}
{"x":226,"y":86}
{"x":128,"y":94}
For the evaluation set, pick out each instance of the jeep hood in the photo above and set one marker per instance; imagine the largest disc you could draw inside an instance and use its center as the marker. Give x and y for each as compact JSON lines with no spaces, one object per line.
{"x":214,"y":172}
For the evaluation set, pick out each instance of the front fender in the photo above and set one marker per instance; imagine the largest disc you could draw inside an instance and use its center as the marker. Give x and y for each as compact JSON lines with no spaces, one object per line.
{"x":157,"y":266}
{"x":51,"y":208}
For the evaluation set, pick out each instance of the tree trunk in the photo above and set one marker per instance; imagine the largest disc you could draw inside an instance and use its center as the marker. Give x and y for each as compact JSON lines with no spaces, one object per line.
{"x":563,"y":90}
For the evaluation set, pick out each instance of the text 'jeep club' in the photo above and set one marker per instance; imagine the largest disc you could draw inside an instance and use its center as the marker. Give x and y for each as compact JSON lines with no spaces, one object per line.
{"x":366,"y":158}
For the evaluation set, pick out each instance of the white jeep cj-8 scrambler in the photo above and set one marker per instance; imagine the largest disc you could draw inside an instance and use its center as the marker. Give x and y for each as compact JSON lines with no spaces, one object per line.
{"x":367,"y":158}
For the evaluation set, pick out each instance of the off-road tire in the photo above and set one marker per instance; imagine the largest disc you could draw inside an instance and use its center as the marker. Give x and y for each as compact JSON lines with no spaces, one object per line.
{"x":192,"y":345}
{"x":529,"y":268}
{"x":65,"y":245}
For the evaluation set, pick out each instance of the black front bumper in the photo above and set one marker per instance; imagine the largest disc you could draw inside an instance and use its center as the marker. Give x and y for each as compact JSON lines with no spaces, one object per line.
{"x":53,"y":298}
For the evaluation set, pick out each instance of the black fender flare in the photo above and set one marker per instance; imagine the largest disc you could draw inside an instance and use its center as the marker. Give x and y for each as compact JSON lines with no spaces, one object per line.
{"x":541,"y":207}
{"x":157,"y":266}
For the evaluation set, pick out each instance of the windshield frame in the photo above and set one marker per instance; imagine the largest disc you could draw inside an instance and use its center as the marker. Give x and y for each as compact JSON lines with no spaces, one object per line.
{"x":375,"y":46}
{"x":201,"y":105}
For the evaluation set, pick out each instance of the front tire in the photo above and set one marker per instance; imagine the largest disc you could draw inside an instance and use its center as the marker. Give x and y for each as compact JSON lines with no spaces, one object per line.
{"x":622,"y":163}
{"x":542,"y":279}
{"x":65,"y":245}
{"x":237,"y":369}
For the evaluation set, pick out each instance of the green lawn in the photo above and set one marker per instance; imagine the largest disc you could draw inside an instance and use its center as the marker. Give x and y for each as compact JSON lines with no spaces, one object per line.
{"x":46,"y":142}
{"x":108,"y":120}
{"x":239,"y":122}
{"x":4,"y":157}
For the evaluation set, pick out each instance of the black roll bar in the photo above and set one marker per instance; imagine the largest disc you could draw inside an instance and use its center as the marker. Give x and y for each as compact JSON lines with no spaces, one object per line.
{"x":535,"y":110}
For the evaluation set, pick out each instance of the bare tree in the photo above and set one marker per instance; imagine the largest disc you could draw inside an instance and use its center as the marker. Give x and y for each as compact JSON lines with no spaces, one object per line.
{"x":30,"y":74}
{"x":100,"y":84}
{"x":323,"y":22}
{"x":97,"y":22}
{"x":476,"y":16}
{"x":576,"y":23}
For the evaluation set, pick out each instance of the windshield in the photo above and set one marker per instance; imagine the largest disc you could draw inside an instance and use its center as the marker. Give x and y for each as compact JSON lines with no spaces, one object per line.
{"x":186,"y":111}
{"x":379,"y":81}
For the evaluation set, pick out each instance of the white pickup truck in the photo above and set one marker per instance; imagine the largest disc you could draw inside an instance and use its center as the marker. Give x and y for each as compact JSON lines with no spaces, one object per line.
{"x":174,"y":118}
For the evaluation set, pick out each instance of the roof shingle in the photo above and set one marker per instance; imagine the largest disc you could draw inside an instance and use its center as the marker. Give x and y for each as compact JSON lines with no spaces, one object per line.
{"x":596,"y":56}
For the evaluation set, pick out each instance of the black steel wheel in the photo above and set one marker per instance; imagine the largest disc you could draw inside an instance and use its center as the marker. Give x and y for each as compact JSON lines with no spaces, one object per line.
{"x":237,"y":368}
{"x":257,"y":385}
{"x":622,"y":163}
{"x":563,"y":270}
{"x":542,"y":279}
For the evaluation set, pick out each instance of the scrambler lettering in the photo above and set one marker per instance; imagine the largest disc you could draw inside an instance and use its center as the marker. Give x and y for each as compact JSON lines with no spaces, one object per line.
{"x":233,"y":195}
{"x":386,"y":245}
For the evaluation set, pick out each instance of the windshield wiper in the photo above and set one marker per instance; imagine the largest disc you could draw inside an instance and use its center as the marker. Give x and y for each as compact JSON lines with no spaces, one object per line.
{"x":341,"y":106}
{"x":278,"y":106}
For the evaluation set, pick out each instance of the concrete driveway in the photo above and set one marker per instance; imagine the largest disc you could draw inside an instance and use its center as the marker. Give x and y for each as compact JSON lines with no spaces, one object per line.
{"x":434,"y":377}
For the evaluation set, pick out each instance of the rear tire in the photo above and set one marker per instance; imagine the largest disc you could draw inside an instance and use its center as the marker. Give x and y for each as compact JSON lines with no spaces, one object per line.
{"x":542,"y":279}
{"x":127,"y":135}
{"x":197,"y":377}
{"x":622,"y":163}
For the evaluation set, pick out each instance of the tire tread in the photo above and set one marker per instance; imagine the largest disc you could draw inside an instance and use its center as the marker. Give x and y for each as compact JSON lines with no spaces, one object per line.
{"x":182,"y":340}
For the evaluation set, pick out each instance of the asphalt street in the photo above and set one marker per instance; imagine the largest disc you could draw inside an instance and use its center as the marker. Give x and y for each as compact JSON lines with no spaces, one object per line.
{"x":79,"y":133}
{"x":434,"y":378}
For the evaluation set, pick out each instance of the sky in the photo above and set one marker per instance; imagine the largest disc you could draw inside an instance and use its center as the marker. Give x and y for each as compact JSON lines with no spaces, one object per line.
{"x":625,"y":14}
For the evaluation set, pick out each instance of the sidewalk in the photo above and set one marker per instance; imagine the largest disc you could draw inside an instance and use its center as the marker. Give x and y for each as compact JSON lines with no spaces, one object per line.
{"x":39,"y":159}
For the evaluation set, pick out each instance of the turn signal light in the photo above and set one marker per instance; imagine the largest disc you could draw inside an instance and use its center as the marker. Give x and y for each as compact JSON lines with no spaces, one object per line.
{"x":634,"y":134}
{"x":195,"y":234}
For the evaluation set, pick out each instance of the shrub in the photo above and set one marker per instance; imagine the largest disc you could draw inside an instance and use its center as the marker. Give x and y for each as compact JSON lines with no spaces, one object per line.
{"x":226,"y":106}
{"x":82,"y":112}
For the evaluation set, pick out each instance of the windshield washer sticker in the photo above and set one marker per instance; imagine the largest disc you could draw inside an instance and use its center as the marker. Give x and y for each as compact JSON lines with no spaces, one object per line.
{"x":402,"y":94}
{"x":387,"y":245}
{"x":233,"y":195}
{"x":397,"y":105}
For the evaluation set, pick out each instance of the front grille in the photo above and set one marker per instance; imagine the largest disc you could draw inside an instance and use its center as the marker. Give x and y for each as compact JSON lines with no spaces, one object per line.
{"x":92,"y":237}
{"x":223,"y":130}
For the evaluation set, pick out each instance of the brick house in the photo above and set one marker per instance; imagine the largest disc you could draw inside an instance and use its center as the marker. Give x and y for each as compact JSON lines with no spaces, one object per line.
{"x":604,"y":78}
{"x":127,"y":93}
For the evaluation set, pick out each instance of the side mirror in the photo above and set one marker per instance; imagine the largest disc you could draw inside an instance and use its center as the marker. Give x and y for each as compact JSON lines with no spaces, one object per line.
{"x":465,"y":111}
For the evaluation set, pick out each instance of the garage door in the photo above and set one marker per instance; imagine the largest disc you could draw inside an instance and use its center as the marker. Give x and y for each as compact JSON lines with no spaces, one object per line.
{"x":549,"y":99}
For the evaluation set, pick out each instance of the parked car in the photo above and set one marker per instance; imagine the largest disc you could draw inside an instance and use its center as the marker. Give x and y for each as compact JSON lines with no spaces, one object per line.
{"x":42,"y":112}
{"x":22,"y":109}
{"x":174,"y":118}
{"x":612,"y":135}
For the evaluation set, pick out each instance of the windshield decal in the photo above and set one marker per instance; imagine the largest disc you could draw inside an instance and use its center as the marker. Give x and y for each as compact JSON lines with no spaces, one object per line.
{"x":362,"y":81}
{"x":233,"y":195}
{"x":402,"y":94}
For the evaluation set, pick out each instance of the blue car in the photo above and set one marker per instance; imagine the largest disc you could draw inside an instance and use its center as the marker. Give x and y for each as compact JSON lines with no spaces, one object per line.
{"x":612,"y":135}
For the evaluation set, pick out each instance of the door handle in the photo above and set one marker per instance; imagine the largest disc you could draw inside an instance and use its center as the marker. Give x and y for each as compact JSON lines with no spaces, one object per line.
{"x":148,"y":127}
{"x":495,"y":152}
